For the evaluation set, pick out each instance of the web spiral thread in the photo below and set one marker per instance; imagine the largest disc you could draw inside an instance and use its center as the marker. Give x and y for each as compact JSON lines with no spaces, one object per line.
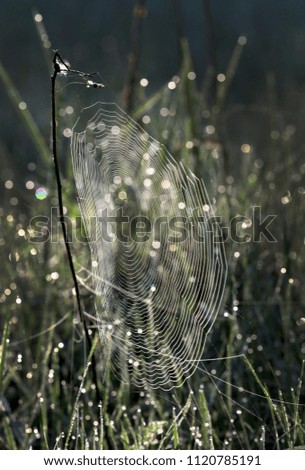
{"x":158,"y":266}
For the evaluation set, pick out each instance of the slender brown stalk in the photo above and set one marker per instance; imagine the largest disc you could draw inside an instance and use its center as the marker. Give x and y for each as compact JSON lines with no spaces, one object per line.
{"x":139,"y":13}
{"x":56,"y":70}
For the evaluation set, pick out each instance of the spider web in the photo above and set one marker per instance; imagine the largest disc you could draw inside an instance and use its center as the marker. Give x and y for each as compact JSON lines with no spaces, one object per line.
{"x":158,"y":267}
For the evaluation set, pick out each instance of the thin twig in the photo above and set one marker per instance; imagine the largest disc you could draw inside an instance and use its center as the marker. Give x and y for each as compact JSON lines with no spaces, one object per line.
{"x":139,"y":14}
{"x":56,"y":70}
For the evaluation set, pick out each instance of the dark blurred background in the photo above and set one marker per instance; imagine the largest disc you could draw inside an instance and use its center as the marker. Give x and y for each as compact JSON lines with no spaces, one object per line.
{"x":96,"y":36}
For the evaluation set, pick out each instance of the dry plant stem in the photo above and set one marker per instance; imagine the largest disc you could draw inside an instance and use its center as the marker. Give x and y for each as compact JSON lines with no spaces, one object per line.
{"x":56,"y":70}
{"x":139,"y":14}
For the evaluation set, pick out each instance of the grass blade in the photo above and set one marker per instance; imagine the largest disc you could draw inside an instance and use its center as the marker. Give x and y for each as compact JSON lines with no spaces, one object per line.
{"x":75,"y":410}
{"x":25,"y":116}
{"x":3,"y":350}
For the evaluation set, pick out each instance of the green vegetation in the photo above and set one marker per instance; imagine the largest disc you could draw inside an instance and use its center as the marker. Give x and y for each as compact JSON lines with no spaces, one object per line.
{"x":248,"y":391}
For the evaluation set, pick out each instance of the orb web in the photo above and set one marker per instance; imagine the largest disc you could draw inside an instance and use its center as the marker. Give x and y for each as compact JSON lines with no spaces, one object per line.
{"x":158,"y":266}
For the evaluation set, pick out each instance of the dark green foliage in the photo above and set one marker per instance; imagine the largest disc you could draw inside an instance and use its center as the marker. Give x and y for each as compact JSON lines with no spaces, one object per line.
{"x":247,"y":157}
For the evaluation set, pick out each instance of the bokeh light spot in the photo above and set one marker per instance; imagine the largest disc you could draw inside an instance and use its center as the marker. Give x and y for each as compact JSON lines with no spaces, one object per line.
{"x":41,"y":193}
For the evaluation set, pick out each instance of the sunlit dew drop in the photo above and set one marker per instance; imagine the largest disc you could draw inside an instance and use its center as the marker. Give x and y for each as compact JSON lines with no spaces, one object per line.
{"x":146,"y":119}
{"x":221,"y":77}
{"x":147,"y":182}
{"x":165,"y":184}
{"x":67,"y":132}
{"x":191,"y":75}
{"x":69,"y":110}
{"x":38,"y":18}
{"x":144,"y":82}
{"x":117,"y":180}
{"x":221,"y":189}
{"x":31,"y":166}
{"x":246,"y":148}
{"x":22,"y":106}
{"x":150,"y":171}
{"x":242,"y":40}
{"x":29,"y":184}
{"x":14,"y":201}
{"x":171,"y":85}
{"x":115,"y":130}
{"x":210,"y":129}
{"x":164,"y":112}
{"x":41,"y":193}
{"x":9,"y":184}
{"x":122,"y":195}
{"x":285,"y":200}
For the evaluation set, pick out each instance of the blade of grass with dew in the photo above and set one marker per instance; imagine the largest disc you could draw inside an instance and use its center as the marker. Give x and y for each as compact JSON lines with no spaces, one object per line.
{"x":12,"y":445}
{"x":44,"y":385}
{"x":246,"y":428}
{"x":139,"y":14}
{"x":45,"y":43}
{"x":296,"y":415}
{"x":223,"y":87}
{"x":232,"y":335}
{"x":5,"y":335}
{"x":75,"y":409}
{"x":101,"y":433}
{"x":8,"y":378}
{"x":106,"y":394}
{"x":179,"y":418}
{"x":175,"y":431}
{"x":206,"y":422}
{"x":132,"y":432}
{"x":44,"y":422}
{"x":25,"y":116}
{"x":125,"y":438}
{"x":148,"y":104}
{"x":191,"y":97}
{"x":285,"y":422}
{"x":272,"y":407}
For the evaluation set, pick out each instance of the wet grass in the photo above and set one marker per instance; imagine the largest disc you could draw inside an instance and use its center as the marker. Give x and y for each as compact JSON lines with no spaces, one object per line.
{"x":248,"y":391}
